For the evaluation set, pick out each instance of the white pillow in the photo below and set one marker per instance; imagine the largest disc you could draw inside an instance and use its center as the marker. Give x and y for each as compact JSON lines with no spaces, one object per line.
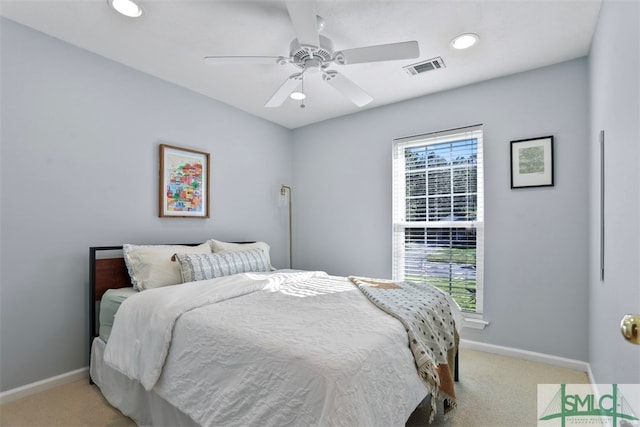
{"x":221,"y":247}
{"x":150,"y":266}
{"x":208,"y":266}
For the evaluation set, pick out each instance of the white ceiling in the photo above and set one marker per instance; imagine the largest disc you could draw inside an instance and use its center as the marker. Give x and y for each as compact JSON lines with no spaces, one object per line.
{"x":171,"y":38}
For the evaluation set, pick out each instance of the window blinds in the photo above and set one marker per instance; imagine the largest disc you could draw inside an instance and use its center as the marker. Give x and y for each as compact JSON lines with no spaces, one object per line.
{"x":438,"y":212}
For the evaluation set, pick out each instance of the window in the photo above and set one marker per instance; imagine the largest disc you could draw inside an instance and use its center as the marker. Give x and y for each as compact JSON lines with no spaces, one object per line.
{"x":438,"y":213}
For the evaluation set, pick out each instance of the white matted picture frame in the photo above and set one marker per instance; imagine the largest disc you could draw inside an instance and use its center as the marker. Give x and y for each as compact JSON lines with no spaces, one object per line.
{"x":532,"y":162}
{"x":184,"y":183}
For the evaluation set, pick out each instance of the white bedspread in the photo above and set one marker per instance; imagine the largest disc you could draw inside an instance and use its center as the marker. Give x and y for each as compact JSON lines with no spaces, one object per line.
{"x":146,"y":330}
{"x":269,"y":349}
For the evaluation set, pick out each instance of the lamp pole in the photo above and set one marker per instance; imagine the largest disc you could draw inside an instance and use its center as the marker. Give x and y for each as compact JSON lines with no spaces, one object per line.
{"x":283,"y":192}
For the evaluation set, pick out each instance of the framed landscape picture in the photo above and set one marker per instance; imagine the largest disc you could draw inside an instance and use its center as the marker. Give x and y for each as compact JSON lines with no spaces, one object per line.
{"x":532,"y":162}
{"x":184,"y":182}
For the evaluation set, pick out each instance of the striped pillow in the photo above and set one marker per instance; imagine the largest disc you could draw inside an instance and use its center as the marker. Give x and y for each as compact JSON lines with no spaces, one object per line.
{"x":210,"y":265}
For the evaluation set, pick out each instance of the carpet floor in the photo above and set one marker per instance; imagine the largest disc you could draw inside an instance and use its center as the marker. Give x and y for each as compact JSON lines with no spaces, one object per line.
{"x":493,"y":391}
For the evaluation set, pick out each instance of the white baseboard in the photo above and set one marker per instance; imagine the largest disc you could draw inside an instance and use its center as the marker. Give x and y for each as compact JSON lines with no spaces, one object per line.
{"x":38,"y":386}
{"x":532,"y":356}
{"x":592,"y":378}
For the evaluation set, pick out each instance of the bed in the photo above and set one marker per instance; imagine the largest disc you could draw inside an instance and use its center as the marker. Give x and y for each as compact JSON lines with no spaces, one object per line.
{"x":265,"y":347}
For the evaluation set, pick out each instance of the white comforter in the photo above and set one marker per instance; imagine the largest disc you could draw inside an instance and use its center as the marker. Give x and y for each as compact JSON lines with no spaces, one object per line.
{"x":270,"y":349}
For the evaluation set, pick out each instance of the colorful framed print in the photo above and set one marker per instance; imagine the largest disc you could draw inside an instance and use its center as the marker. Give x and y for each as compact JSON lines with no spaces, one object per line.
{"x":184,"y":183}
{"x":532,"y":162}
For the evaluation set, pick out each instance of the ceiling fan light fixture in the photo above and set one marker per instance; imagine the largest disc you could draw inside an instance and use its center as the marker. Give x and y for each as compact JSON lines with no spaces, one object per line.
{"x":464,"y":41}
{"x":313,"y":53}
{"x":298,"y":96}
{"x":126,"y":8}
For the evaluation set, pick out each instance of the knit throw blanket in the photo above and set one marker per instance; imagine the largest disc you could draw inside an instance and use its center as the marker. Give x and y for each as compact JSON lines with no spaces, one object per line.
{"x":426,"y":315}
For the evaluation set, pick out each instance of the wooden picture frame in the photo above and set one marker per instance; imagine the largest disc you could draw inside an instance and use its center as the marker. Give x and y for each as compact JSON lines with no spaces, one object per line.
{"x":184,"y":183}
{"x":532,"y":162}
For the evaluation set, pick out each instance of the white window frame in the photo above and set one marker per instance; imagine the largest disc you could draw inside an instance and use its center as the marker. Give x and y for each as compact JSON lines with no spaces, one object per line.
{"x":400,"y":223}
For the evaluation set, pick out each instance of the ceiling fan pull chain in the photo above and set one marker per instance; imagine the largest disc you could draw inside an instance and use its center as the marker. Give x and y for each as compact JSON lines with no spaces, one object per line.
{"x":302,"y":89}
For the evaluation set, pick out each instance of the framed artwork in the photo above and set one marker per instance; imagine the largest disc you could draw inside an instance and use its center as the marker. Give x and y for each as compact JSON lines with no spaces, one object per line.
{"x":532,"y":162}
{"x":184,"y":183}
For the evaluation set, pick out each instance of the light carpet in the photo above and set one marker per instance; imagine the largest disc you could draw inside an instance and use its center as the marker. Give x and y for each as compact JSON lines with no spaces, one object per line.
{"x":493,"y":391}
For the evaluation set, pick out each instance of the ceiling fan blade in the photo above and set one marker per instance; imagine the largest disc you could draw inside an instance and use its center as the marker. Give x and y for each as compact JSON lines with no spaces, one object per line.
{"x":348,"y":88}
{"x":284,"y":91}
{"x":305,"y":22}
{"x":224,"y":60}
{"x":383,"y":52}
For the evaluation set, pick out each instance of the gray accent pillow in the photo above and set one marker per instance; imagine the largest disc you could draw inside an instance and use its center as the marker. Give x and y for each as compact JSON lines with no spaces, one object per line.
{"x":205,"y":266}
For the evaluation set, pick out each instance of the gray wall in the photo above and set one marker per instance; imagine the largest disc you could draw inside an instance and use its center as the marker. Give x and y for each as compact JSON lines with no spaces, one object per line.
{"x":615,"y":108}
{"x":79,"y":167}
{"x":536,"y":284}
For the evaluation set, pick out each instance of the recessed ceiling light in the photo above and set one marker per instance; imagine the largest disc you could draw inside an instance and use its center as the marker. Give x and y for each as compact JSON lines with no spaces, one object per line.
{"x":298,"y":96}
{"x":464,"y":41}
{"x":126,"y":7}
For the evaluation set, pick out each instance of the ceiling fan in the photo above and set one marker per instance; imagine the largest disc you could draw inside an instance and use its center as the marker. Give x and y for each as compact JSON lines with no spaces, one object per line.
{"x":314,"y":54}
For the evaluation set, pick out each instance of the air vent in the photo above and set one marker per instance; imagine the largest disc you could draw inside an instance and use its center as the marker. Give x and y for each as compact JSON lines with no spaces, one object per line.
{"x":424,"y":66}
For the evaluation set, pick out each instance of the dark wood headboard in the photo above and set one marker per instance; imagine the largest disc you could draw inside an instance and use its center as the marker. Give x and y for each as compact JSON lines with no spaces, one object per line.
{"x":106,"y":273}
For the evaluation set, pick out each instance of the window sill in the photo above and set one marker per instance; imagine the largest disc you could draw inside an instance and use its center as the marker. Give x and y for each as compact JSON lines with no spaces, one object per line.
{"x":474,"y":323}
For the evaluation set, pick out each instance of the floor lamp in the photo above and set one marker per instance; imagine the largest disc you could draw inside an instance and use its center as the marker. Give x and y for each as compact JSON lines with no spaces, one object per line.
{"x":284,"y":190}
